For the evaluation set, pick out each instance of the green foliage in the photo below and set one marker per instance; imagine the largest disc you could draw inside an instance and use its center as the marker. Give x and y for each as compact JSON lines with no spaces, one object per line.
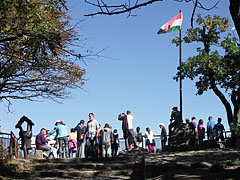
{"x":225,"y":68}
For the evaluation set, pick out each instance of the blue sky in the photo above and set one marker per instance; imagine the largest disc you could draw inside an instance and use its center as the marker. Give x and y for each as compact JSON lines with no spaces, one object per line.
{"x":138,"y":74}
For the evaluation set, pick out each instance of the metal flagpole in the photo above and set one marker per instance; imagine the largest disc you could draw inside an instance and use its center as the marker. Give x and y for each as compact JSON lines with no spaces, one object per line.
{"x":180,"y":62}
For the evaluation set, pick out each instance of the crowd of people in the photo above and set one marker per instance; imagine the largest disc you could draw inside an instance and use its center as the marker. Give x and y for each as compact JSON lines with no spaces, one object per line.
{"x":214,"y":130}
{"x":90,"y":140}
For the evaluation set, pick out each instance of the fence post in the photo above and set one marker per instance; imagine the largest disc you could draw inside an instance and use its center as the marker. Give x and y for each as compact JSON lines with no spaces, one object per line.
{"x":11,"y":145}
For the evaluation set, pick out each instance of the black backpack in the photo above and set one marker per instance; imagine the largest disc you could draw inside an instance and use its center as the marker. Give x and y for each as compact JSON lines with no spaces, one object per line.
{"x":82,"y":131}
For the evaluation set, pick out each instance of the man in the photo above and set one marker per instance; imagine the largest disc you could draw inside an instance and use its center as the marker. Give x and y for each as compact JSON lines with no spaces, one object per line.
{"x":132,"y":140}
{"x":81,"y":131}
{"x":93,"y":130}
{"x":194,"y":126}
{"x":219,"y":128}
{"x":163,"y":137}
{"x":123,"y":117}
{"x":41,"y":143}
{"x":210,"y":128}
{"x":106,"y":140}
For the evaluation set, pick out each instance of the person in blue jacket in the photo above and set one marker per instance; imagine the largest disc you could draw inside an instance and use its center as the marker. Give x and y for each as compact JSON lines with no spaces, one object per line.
{"x":62,"y":137}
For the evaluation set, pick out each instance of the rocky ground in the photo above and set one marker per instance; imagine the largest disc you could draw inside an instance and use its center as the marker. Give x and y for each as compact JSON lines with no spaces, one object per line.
{"x":203,"y":164}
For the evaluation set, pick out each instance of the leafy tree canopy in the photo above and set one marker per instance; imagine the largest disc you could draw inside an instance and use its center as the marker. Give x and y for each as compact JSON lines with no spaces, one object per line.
{"x":36,"y":55}
{"x":211,"y":69}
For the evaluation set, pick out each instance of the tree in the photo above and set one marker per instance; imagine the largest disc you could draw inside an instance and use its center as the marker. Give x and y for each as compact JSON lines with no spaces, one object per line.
{"x":127,"y":6}
{"x":214,"y":71}
{"x":36,"y":55}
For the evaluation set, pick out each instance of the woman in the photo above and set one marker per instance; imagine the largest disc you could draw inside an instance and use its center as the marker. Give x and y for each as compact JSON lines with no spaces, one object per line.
{"x":62,"y":137}
{"x":115,"y":143}
{"x":200,"y":132}
{"x":150,"y":142}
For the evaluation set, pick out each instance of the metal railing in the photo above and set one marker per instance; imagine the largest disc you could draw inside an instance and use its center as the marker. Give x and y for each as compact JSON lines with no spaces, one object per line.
{"x":157,"y":137}
{"x":8,"y":145}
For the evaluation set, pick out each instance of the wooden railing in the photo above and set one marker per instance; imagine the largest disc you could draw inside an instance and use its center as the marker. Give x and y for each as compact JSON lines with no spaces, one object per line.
{"x":8,"y":145}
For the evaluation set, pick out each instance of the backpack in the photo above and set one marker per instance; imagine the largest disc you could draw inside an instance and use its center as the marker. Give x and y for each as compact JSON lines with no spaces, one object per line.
{"x":139,"y":137}
{"x":82,"y":131}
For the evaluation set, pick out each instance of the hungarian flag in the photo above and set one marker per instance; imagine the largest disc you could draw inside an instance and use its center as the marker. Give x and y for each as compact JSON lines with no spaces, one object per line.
{"x":173,"y":25}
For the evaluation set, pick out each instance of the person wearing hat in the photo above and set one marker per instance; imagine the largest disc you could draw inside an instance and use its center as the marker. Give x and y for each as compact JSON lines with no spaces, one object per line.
{"x":62,"y":137}
{"x":163,"y":137}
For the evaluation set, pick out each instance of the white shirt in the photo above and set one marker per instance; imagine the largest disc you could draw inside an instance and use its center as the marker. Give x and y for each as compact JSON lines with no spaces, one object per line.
{"x":149,"y":136}
{"x":129,"y":120}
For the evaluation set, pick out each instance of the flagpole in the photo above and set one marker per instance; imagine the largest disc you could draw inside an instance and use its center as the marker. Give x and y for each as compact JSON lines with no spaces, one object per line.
{"x":180,"y":62}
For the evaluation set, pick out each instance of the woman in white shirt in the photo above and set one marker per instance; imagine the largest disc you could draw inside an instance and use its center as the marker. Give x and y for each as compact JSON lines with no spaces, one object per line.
{"x":149,"y":140}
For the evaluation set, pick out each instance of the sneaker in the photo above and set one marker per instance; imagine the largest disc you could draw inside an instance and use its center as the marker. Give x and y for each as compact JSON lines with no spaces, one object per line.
{"x":45,"y":154}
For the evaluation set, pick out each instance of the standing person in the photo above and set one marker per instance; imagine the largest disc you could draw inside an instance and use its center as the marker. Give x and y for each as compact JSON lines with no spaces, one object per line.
{"x":132,"y":140}
{"x":194,"y":126}
{"x":81,"y":129}
{"x":115,"y":143}
{"x":150,"y":142}
{"x":210,"y":128}
{"x":92,"y":134}
{"x":218,"y":129}
{"x":41,"y":143}
{"x":163,"y":137}
{"x":62,"y":137}
{"x":176,"y":117}
{"x":234,"y":127}
{"x":139,"y":137}
{"x":123,"y":117}
{"x":72,"y":143}
{"x":106,"y":140}
{"x":200,"y":132}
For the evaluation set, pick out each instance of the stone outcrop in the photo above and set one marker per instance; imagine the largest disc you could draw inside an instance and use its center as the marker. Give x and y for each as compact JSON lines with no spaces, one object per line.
{"x":181,"y":138}
{"x":203,"y":164}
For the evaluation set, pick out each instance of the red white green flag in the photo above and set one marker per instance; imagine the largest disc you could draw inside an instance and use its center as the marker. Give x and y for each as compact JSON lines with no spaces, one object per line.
{"x":173,"y":25}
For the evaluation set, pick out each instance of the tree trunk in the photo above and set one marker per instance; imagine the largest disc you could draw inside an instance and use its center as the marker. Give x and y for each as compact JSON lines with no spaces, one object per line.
{"x":235,"y":13}
{"x":221,"y":96}
{"x":237,"y":113}
{"x":235,"y":98}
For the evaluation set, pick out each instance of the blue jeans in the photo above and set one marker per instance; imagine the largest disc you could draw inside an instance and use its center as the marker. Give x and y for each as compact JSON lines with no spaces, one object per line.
{"x":63,"y":148}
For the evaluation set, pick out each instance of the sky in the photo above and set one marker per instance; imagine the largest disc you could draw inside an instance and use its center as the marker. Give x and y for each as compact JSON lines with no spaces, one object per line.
{"x":137,"y":75}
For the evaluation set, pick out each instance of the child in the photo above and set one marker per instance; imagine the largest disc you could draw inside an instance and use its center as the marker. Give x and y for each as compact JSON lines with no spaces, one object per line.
{"x":72,"y":143}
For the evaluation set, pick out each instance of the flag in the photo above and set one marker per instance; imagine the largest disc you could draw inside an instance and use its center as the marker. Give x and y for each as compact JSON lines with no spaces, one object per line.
{"x":173,"y":25}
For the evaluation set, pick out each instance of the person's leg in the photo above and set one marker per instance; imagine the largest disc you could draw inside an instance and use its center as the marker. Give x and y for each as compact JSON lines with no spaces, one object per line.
{"x":54,"y":152}
{"x":46,"y":149}
{"x":152,"y":148}
{"x":103,"y":150}
{"x":78,"y":148}
{"x":162,"y":144}
{"x":133,"y":137}
{"x":82,"y":152}
{"x":126,"y":143}
{"x":74,"y":154}
{"x":66,"y":146}
{"x":108,"y":150}
{"x":116,"y":150}
{"x":60,"y":141}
